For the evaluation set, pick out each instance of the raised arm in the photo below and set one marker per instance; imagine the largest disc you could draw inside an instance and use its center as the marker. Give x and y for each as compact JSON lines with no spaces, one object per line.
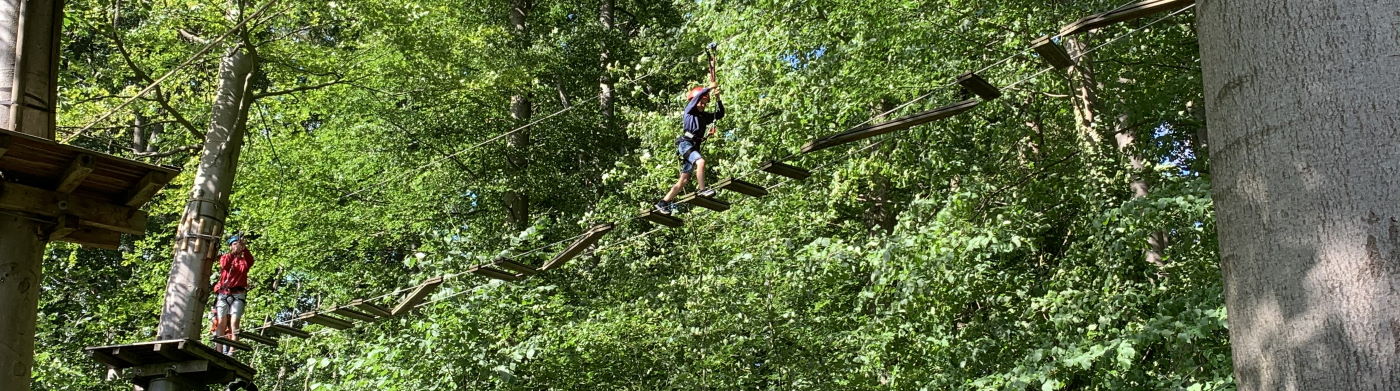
{"x":690,"y":107}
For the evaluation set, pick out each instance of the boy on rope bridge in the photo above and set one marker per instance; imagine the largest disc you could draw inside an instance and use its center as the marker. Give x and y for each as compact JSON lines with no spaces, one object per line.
{"x":232,"y":288}
{"x":694,"y":120}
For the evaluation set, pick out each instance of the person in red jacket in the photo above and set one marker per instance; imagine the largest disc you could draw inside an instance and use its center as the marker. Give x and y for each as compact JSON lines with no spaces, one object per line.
{"x":232,"y":288}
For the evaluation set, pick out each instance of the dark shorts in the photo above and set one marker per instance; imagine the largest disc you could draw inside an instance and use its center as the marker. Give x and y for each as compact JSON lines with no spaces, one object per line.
{"x":687,"y":159}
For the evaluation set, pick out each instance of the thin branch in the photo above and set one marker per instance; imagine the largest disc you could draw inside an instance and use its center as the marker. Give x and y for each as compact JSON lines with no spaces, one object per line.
{"x":299,"y":89}
{"x":160,"y":94}
{"x":159,"y":154}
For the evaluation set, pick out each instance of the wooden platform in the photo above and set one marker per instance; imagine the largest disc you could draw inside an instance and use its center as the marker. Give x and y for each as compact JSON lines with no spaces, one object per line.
{"x":417,"y":296}
{"x":95,"y":196}
{"x":371,"y":308}
{"x":784,"y":169}
{"x":187,"y":360}
{"x":740,"y":186}
{"x":1053,"y":53}
{"x":351,"y":313}
{"x":324,"y":319}
{"x":978,"y":85}
{"x":710,"y":203}
{"x":494,"y":273}
{"x":1123,"y":14}
{"x":588,"y":239}
{"x":652,"y":216}
{"x":868,"y":131}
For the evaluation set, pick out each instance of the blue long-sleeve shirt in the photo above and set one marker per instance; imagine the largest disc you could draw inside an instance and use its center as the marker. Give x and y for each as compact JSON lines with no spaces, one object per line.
{"x":694,"y":120}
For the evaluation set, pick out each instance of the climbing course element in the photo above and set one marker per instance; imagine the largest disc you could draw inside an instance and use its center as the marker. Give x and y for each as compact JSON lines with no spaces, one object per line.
{"x":588,"y":239}
{"x":350,"y":313}
{"x":653,"y":216}
{"x":491,"y":272}
{"x":287,"y":330}
{"x":255,"y":337}
{"x":1052,"y":52}
{"x":710,"y":203}
{"x":740,"y":186}
{"x":183,"y":360}
{"x":321,"y":318}
{"x":787,"y":170}
{"x":979,"y":86}
{"x":1123,"y":14}
{"x":865,"y":132}
{"x":231,"y":343}
{"x":519,"y":268}
{"x":371,"y":308}
{"x":417,"y":296}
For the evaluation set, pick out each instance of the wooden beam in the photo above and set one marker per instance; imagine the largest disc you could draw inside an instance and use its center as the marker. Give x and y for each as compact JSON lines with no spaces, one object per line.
{"x":978,"y":85}
{"x":78,"y":170}
{"x":512,"y":265}
{"x":149,"y":185}
{"x":231,"y":343}
{"x":868,"y":131}
{"x":4,"y":144}
{"x":353,"y":314}
{"x":371,"y":308}
{"x":588,"y":239}
{"x":321,"y":318}
{"x":787,"y":170}
{"x":67,"y":224}
{"x":417,"y":296}
{"x":1052,"y":52}
{"x":259,"y":338}
{"x":710,"y":203}
{"x":742,"y":187}
{"x":90,"y":213}
{"x":287,"y":330}
{"x":661,"y":218}
{"x":1123,"y":14}
{"x":495,"y":273}
{"x":94,"y":238}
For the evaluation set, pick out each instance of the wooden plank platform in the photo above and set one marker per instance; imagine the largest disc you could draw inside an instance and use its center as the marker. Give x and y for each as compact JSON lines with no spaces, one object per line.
{"x":255,"y":337}
{"x":231,"y":343}
{"x":784,"y":169}
{"x":710,"y":203}
{"x":321,"y":318}
{"x":494,"y":273}
{"x":868,"y":131}
{"x":651,"y":215}
{"x":588,"y":239}
{"x":188,"y":360}
{"x":417,"y":295}
{"x":1053,"y":53}
{"x":517,"y":267}
{"x":371,"y":308}
{"x":742,"y":187}
{"x":288,"y":330}
{"x":978,"y":85}
{"x":353,"y":314}
{"x":1123,"y":14}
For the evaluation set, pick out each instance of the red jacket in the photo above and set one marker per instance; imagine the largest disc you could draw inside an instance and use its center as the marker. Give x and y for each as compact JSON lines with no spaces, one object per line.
{"x":233,"y":272}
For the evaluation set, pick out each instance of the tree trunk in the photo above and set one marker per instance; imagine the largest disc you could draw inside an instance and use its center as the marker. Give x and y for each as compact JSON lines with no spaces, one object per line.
{"x":1302,"y":99}
{"x":517,"y":199}
{"x":1086,"y":92}
{"x":1126,"y":141}
{"x":201,"y":227}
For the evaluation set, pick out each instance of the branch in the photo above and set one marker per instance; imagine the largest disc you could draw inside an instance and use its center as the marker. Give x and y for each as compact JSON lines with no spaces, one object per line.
{"x":187,"y":148}
{"x":191,"y":37}
{"x":160,"y":95}
{"x":299,"y":89}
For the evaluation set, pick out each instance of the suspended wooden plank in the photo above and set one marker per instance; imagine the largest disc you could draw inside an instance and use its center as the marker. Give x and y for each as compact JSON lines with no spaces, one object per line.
{"x":710,"y":203}
{"x":1123,"y":14}
{"x":353,"y":314}
{"x":323,"y":319}
{"x":255,"y":337}
{"x":192,"y":361}
{"x":1052,"y":52}
{"x":509,"y":264}
{"x":287,"y":330}
{"x":868,"y":131}
{"x":371,"y":308}
{"x":662,"y":218}
{"x":978,"y":85}
{"x":231,"y":343}
{"x":787,"y":170}
{"x":740,"y":186}
{"x":494,"y":273}
{"x":588,"y":239}
{"x":417,"y":296}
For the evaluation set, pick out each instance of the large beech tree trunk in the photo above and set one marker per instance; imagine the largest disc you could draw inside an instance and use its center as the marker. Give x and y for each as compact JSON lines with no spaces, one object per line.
{"x":517,"y":199}
{"x":1303,"y":101}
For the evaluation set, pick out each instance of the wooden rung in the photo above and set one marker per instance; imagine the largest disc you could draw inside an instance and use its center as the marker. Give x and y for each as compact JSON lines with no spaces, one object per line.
{"x":512,"y":265}
{"x":353,"y":314}
{"x":865,"y":132}
{"x":259,"y":338}
{"x":661,"y":218}
{"x":371,"y":308}
{"x":742,"y":187}
{"x":1052,"y":52}
{"x":231,"y":343}
{"x":77,"y":170}
{"x":145,"y":189}
{"x":323,"y":319}
{"x":787,"y":170}
{"x":588,"y":239}
{"x":491,"y":272}
{"x":710,"y":203}
{"x":287,"y":330}
{"x":978,"y":85}
{"x":1123,"y":14}
{"x":417,"y":296}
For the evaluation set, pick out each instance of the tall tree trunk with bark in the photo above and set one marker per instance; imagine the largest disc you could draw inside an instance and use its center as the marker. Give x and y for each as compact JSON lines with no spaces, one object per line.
{"x":1302,"y":101}
{"x":517,"y":199}
{"x":1085,"y":88}
{"x":201,"y":227}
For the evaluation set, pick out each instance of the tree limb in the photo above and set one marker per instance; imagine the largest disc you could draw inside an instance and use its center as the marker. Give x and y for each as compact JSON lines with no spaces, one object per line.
{"x":160,"y":97}
{"x":298,"y":89}
{"x":156,"y":154}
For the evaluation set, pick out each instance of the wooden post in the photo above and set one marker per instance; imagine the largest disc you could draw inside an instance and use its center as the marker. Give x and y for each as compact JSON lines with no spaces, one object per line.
{"x":21,"y":250}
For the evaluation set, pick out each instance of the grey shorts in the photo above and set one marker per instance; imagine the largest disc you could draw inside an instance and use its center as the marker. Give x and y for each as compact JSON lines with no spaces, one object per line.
{"x":687,"y":159}
{"x":230,"y":304}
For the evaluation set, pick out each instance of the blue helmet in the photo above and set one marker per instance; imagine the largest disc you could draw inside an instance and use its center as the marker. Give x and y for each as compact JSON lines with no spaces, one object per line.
{"x":234,"y":238}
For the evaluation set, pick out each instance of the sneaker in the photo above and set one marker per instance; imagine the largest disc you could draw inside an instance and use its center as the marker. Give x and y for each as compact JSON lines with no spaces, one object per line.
{"x":706,"y":192}
{"x":664,"y":207}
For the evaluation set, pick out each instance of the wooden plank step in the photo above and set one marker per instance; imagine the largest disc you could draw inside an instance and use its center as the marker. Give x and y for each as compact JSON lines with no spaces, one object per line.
{"x":787,"y":170}
{"x":1053,"y":53}
{"x":869,"y":131}
{"x":588,"y":239}
{"x":418,"y":295}
{"x":353,"y":314}
{"x":153,"y":359}
{"x":512,"y":265}
{"x":710,"y":203}
{"x":231,"y":343}
{"x":371,"y":308}
{"x":978,"y":85}
{"x":259,"y":338}
{"x":491,"y":272}
{"x":288,"y":330}
{"x":1123,"y":14}
{"x":740,"y":186}
{"x":324,"y":319}
{"x":661,"y":218}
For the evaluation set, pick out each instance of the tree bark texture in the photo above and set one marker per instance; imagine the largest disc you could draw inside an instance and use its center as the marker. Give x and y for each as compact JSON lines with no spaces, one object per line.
{"x":1303,"y":100}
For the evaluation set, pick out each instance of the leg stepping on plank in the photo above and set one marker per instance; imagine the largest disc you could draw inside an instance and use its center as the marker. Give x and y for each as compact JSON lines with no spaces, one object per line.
{"x":739,"y":186}
{"x":353,"y":314}
{"x":495,"y":273}
{"x":710,"y":203}
{"x":417,"y":296}
{"x":371,"y":308}
{"x":1123,"y":14}
{"x":868,"y":131}
{"x":287,"y":330}
{"x":231,"y":343}
{"x":787,"y":170}
{"x":588,"y":239}
{"x":324,"y":319}
{"x":512,"y":265}
{"x":978,"y":85}
{"x":661,"y":218}
{"x":1052,"y":53}
{"x":255,"y":337}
